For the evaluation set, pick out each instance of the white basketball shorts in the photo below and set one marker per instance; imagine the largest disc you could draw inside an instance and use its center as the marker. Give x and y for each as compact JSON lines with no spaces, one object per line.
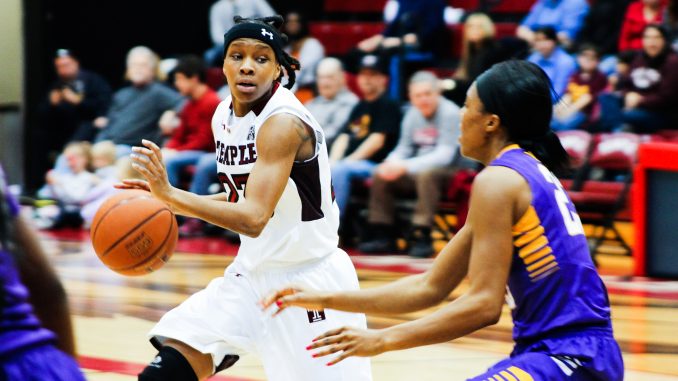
{"x":225,"y":318}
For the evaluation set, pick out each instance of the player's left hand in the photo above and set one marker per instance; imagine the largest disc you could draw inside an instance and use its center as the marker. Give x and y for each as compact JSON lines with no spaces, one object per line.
{"x":350,"y":342}
{"x":147,"y":160}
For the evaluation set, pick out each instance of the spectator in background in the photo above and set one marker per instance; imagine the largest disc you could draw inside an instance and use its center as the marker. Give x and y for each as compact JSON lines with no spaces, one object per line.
{"x":479,"y":52}
{"x":639,"y":14}
{"x":622,"y":69}
{"x":104,"y":156}
{"x":36,"y":339}
{"x":576,"y":107}
{"x":102,"y":191}
{"x":70,"y":188}
{"x":565,"y":15}
{"x":192,"y":142}
{"x":671,"y":22}
{"x":417,"y":24}
{"x":428,"y":140}
{"x":74,"y":100}
{"x":334,"y":101}
{"x":551,"y":58}
{"x":369,"y":135}
{"x":221,"y":20}
{"x":136,"y":109}
{"x":306,"y":49}
{"x":193,"y":136}
{"x":601,"y":28}
{"x":648,"y":96}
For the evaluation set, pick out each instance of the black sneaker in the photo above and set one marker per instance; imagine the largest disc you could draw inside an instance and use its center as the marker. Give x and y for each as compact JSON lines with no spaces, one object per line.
{"x":421,"y":244}
{"x":421,"y":249}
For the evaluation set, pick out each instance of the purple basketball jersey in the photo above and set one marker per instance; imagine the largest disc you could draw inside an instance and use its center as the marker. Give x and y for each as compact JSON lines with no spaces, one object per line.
{"x":554,"y":286}
{"x":19,"y":328}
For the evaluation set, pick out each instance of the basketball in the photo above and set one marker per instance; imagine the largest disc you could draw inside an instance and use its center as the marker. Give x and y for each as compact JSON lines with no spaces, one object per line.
{"x":134,"y":233}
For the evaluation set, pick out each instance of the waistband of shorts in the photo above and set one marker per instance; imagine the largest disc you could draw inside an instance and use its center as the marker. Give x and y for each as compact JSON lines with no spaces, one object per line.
{"x":284,"y":267}
{"x":569,"y":332}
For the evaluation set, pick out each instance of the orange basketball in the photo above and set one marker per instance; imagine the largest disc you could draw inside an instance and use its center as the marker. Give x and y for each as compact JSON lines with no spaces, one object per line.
{"x":134,"y":233}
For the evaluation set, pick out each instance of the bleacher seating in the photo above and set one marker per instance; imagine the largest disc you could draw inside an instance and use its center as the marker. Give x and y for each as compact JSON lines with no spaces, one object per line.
{"x":600,"y":202}
{"x":354,"y":6}
{"x":339,"y":37}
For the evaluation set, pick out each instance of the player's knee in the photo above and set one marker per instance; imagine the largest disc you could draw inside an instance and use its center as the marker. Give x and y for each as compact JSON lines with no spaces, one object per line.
{"x":168,"y":365}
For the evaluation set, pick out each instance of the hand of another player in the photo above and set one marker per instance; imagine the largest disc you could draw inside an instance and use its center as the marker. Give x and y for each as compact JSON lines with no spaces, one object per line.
{"x":288,"y":297}
{"x":147,"y":160}
{"x":350,"y":342}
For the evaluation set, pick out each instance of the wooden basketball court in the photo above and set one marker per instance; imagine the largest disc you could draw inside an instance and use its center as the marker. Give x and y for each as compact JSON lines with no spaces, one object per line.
{"x":112,"y":314}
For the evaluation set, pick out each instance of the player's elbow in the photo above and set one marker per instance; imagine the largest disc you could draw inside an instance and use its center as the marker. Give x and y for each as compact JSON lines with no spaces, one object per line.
{"x":254,"y":225}
{"x":488,"y":311}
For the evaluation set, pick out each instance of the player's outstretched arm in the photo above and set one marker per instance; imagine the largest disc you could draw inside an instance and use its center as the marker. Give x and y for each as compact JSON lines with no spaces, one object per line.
{"x":491,"y":217}
{"x":407,"y":294}
{"x":279,"y":141}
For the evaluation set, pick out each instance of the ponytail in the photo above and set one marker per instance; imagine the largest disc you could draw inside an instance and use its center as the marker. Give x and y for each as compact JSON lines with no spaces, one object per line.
{"x":521,"y":95}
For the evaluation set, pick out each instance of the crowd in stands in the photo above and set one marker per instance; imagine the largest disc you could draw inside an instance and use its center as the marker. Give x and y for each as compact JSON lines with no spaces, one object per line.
{"x":613,"y":68}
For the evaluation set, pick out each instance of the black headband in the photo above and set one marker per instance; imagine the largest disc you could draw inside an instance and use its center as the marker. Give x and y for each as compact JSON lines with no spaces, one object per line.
{"x":258,"y":31}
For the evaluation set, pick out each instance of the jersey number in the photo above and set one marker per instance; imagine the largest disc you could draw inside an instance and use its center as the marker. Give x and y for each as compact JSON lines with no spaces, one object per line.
{"x":570,"y":217}
{"x":233,"y":183}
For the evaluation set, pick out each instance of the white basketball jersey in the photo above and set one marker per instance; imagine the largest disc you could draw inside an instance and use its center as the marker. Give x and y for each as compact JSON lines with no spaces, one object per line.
{"x":304,"y":224}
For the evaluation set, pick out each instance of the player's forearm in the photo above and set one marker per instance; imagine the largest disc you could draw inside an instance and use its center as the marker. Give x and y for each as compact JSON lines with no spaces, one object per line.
{"x":405,"y":295}
{"x":241,"y":217}
{"x":459,"y":318}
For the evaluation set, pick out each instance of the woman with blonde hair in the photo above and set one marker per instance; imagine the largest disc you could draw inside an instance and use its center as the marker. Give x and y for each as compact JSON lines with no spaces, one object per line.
{"x":479,"y":52}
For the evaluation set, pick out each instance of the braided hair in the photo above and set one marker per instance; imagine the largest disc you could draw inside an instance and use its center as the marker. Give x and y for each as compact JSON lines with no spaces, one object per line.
{"x":250,"y":27}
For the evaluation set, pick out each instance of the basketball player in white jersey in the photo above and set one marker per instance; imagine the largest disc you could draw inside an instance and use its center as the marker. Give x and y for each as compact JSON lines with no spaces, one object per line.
{"x":272,"y":160}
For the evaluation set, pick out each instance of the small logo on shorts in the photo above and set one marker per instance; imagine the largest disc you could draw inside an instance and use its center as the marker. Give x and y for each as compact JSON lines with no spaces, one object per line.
{"x":156,"y":362}
{"x":315,"y":316}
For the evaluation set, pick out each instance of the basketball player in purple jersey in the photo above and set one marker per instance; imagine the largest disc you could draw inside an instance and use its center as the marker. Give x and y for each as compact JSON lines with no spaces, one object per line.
{"x":36,"y":337}
{"x":523,"y":243}
{"x":272,"y":159}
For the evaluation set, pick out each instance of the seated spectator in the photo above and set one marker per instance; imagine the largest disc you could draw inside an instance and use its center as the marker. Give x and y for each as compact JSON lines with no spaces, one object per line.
{"x":601,"y":28}
{"x":622,"y":68}
{"x":193,"y":136}
{"x":122,"y":169}
{"x":192,"y":142}
{"x":671,"y":22}
{"x":370,"y":133}
{"x":639,"y":14}
{"x":306,"y":49}
{"x":576,"y":107}
{"x":428,"y":140}
{"x":334,"y":101}
{"x":418,"y":25}
{"x":549,"y":56}
{"x":104,"y":156}
{"x":648,"y":96}
{"x":74,"y":100}
{"x":136,"y":109}
{"x":565,"y":15}
{"x":70,"y":188}
{"x":221,"y":19}
{"x":479,"y":52}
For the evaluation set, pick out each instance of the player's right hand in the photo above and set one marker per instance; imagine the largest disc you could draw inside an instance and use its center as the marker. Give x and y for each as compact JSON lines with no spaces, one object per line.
{"x":287,"y":297}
